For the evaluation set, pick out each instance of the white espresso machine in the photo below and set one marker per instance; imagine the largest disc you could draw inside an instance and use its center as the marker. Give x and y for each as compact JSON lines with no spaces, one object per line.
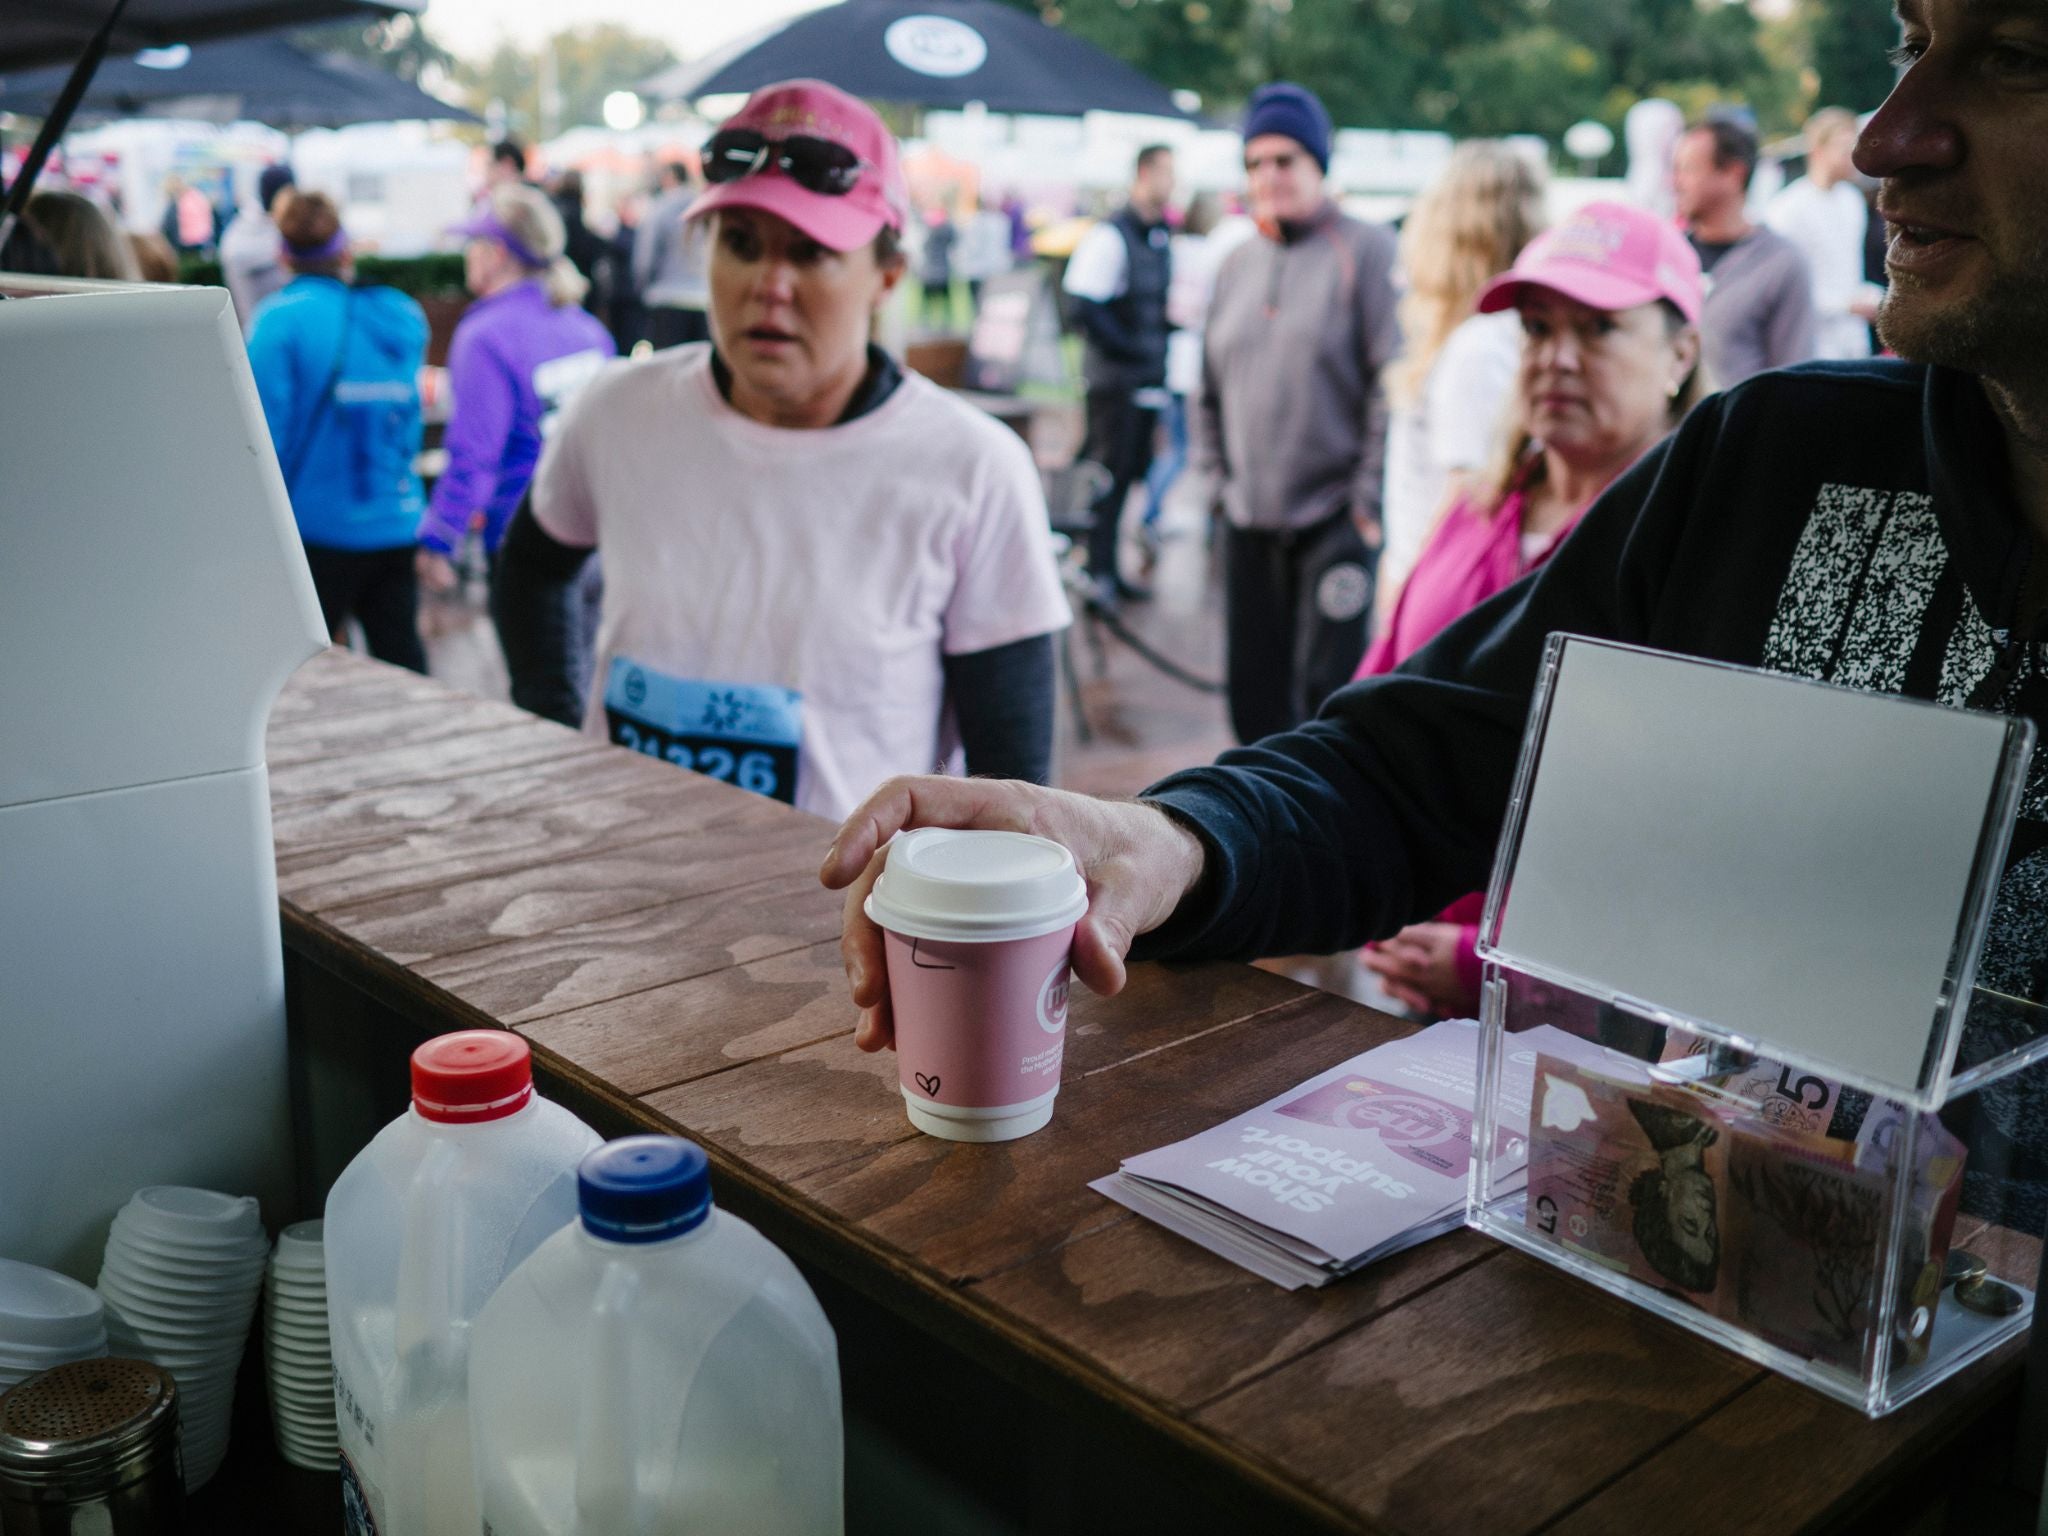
{"x":153,"y":599}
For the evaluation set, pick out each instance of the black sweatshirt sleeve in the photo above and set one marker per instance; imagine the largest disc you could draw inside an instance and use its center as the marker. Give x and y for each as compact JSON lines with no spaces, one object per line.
{"x":1388,"y":806}
{"x":531,"y":602}
{"x":1003,"y":700}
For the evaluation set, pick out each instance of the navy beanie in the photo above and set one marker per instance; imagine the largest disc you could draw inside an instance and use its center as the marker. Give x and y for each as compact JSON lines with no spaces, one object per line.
{"x":1293,"y":110}
{"x":275,"y":179}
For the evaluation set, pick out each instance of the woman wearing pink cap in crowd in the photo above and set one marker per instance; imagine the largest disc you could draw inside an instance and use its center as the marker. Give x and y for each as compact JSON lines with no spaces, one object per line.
{"x":1610,"y":305}
{"x":820,"y":570}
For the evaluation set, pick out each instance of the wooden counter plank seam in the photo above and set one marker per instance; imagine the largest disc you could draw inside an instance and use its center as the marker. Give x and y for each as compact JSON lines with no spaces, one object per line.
{"x":327,"y":677}
{"x":496,"y":941}
{"x":718,"y":1071}
{"x":368,"y":835}
{"x":472,"y":867}
{"x":348,"y":700}
{"x":1690,"y":1426}
{"x":1113,"y":1216}
{"x":306,"y":765}
{"x":1200,"y":1034}
{"x":407,"y":994}
{"x":1118,"y":1216}
{"x":1253,"y":1378}
{"x":424,"y":723}
{"x":1921,"y":1446}
{"x":549,"y":747}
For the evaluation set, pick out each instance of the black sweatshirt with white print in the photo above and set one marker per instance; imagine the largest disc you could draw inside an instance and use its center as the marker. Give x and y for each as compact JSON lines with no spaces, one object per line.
{"x":1848,"y":522}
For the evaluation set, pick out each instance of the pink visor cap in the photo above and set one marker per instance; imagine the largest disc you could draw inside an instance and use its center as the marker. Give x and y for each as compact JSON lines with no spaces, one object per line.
{"x":1606,"y":256}
{"x":843,"y":222}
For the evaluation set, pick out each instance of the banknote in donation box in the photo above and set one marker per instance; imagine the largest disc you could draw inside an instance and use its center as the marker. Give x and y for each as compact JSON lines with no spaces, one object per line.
{"x":1717,"y":1192}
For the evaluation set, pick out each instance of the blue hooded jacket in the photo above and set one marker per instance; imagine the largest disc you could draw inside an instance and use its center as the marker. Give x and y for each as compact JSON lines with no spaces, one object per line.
{"x":338,"y":372}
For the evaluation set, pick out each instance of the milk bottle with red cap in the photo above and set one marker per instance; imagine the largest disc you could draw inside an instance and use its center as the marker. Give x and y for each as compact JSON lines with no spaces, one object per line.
{"x":656,"y":1367}
{"x":421,"y":1228}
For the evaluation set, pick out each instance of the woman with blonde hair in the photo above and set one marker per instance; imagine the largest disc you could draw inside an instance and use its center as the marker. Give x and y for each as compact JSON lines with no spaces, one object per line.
{"x":1608,"y":306}
{"x":521,"y":350}
{"x":1450,"y":385}
{"x":84,"y":240}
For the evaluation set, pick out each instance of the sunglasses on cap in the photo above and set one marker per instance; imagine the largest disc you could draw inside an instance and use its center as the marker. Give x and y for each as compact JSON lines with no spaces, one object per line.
{"x":816,"y":165}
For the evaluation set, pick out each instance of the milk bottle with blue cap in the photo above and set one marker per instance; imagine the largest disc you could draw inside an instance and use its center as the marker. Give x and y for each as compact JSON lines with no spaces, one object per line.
{"x":657,"y":1366}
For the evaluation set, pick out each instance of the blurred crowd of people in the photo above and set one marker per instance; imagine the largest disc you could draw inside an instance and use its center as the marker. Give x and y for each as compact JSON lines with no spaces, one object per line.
{"x":1393,"y":431}
{"x":1390,"y":429}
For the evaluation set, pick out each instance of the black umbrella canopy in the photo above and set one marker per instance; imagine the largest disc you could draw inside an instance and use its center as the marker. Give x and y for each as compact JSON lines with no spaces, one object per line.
{"x":927,"y":53}
{"x":38,"y":32}
{"x":260,"y":79}
{"x":386,"y":98}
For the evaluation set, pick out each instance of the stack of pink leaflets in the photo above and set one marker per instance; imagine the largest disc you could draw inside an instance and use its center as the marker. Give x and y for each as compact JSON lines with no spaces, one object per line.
{"x":1360,"y":1162}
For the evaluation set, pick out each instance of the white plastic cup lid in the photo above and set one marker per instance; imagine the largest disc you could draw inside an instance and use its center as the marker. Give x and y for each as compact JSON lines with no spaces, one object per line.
{"x":41,"y":1307}
{"x":976,"y":887}
{"x":193,"y":1218}
{"x":301,"y":1247}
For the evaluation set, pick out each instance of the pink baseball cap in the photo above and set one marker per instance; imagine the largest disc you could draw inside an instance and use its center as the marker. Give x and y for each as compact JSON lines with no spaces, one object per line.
{"x":1606,"y":256}
{"x":843,"y":221}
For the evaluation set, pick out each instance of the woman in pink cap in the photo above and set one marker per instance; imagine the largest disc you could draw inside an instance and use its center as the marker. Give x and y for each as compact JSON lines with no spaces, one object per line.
{"x":819,"y":570}
{"x":1610,"y":305}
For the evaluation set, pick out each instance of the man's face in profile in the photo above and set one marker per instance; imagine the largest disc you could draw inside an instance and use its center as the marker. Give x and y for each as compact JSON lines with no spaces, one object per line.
{"x":1962,"y":148}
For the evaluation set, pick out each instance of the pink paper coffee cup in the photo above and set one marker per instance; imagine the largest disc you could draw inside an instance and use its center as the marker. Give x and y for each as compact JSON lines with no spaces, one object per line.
{"x":978,"y":928}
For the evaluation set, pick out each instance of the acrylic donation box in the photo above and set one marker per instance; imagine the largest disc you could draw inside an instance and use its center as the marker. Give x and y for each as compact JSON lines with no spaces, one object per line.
{"x":1781,"y":1102}
{"x":153,"y":599}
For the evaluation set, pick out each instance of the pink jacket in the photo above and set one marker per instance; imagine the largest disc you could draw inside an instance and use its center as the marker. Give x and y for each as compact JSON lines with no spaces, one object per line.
{"x":1469,"y":558}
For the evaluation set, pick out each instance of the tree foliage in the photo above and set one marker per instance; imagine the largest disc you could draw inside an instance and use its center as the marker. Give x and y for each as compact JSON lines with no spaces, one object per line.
{"x":590,"y":62}
{"x":1464,"y":66}
{"x":397,"y":43}
{"x":1850,"y":40}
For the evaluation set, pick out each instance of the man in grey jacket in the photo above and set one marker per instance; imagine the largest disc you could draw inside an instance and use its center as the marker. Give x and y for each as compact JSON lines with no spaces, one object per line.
{"x":1292,"y":423}
{"x":1759,"y":312}
{"x":669,"y":263}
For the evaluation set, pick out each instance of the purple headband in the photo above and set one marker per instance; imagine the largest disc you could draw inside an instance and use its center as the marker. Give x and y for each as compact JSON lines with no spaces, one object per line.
{"x":487,"y":224}
{"x":334,"y":246}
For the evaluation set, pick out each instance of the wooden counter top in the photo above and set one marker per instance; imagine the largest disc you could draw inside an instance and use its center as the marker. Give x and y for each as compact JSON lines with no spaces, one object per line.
{"x":664,"y":943}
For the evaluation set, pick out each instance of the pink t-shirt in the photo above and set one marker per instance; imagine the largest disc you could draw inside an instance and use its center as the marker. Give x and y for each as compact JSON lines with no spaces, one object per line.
{"x":840,"y":563}
{"x":1471,"y":556}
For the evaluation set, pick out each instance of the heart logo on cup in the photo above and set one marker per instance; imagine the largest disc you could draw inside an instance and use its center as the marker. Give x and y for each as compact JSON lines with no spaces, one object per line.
{"x":928,"y":1086}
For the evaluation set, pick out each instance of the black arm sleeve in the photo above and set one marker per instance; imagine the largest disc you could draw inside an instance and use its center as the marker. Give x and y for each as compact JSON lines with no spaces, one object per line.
{"x":1102,"y":326}
{"x":1389,"y":804}
{"x":531,"y":602}
{"x":1003,"y":699}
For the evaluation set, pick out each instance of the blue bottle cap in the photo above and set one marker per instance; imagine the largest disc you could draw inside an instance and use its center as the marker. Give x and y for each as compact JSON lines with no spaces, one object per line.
{"x":642,"y":1189}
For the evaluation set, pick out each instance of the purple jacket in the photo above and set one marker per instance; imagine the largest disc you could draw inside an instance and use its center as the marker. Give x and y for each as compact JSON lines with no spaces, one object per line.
{"x":514,"y":362}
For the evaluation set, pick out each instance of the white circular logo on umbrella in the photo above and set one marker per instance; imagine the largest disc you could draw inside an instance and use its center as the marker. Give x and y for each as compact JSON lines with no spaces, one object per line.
{"x":936,"y":45}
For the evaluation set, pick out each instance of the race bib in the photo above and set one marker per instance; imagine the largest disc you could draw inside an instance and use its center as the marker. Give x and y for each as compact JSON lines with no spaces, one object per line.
{"x":739,"y":732}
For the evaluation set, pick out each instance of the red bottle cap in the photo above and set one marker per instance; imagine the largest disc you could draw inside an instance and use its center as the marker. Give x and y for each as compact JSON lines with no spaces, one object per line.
{"x":472,"y":1075}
